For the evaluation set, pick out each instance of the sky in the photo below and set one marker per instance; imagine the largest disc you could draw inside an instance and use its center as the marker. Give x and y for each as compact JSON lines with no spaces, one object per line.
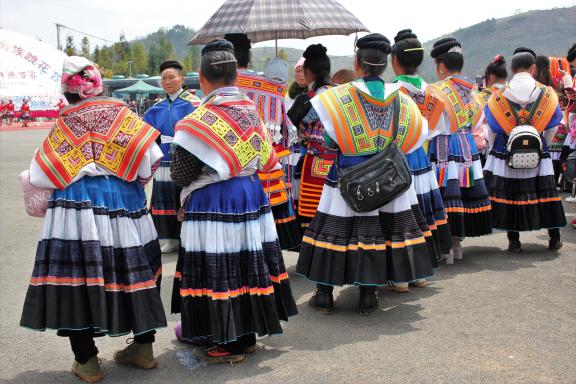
{"x":109,"y":18}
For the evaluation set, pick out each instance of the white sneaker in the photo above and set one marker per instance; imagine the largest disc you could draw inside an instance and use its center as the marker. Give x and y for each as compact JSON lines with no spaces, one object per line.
{"x":170,"y":246}
{"x":449,"y":258}
{"x":570,"y":199}
{"x":458,"y":252}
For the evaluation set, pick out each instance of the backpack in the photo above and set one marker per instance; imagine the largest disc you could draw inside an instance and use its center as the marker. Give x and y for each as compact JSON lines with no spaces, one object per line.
{"x":524,"y":147}
{"x":524,"y":144}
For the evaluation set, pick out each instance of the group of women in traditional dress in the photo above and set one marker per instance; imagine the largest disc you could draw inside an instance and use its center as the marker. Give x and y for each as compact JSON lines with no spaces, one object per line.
{"x":222,"y":194}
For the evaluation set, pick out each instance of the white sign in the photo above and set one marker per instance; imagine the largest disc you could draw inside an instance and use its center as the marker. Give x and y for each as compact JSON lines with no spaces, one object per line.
{"x":28,"y":67}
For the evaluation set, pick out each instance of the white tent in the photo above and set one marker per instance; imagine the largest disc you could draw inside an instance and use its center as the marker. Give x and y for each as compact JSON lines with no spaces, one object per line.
{"x":29,"y":68}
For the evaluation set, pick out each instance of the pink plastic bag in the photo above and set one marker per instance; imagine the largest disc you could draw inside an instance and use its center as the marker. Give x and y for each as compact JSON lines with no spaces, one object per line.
{"x":35,"y":199}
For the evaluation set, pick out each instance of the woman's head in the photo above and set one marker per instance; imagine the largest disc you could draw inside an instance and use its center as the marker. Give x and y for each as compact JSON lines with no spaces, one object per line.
{"x":447,"y":53}
{"x":299,"y":72}
{"x":172,"y":77}
{"x":80,"y":79}
{"x":407,"y":53}
{"x":496,"y":71}
{"x":343,"y":76}
{"x":523,"y":60}
{"x":316,"y":64}
{"x":372,"y":55}
{"x":217,"y":66}
{"x":543,"y":70}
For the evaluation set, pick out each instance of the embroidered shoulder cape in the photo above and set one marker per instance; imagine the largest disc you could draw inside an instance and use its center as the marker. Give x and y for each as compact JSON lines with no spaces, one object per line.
{"x":267,"y":95}
{"x":363,"y":124}
{"x":463,"y":110}
{"x":538,"y":114}
{"x":231,"y":127}
{"x":97,"y":132}
{"x":429,"y":103}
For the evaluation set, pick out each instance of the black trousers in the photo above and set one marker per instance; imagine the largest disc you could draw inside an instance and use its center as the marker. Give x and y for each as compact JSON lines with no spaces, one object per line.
{"x":364,"y":289}
{"x":237,"y":347}
{"x":553,"y":233}
{"x":84,"y":348}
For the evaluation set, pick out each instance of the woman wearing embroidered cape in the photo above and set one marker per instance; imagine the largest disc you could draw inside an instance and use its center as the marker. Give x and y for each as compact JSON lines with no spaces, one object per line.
{"x":392,"y":243}
{"x":317,"y":157}
{"x":268,"y":96}
{"x":407,"y":55}
{"x":98,"y":267}
{"x":230,"y":282}
{"x":165,"y":199}
{"x":453,"y":152}
{"x":523,"y":199}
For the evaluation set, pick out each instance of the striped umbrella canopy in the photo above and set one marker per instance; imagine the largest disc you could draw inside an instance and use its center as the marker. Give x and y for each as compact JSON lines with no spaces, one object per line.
{"x":264,"y":20}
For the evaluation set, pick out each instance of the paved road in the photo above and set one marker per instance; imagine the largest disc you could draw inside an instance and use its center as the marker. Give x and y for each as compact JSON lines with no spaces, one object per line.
{"x":491,"y":318}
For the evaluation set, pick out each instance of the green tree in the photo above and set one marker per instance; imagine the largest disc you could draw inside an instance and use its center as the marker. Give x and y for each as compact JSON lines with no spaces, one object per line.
{"x":85,"y":47}
{"x":154,"y":59}
{"x":187,"y":63}
{"x":139,"y":58}
{"x":121,"y":49}
{"x":282,"y":55}
{"x":70,"y":47}
{"x":105,"y":58}
{"x":96,"y":55}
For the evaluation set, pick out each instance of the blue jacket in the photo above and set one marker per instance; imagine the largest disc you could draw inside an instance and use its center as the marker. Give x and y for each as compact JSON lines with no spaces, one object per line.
{"x":165,"y":114}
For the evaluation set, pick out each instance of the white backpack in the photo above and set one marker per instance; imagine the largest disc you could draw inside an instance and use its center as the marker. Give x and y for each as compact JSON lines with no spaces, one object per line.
{"x":524,"y":147}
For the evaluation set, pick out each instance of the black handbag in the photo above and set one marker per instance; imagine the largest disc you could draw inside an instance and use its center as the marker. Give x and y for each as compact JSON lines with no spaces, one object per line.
{"x":377,"y":181}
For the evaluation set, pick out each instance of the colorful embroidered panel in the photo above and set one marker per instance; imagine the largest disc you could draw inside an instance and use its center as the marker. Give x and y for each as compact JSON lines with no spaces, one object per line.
{"x":101,"y":131}
{"x":314,"y":172}
{"x":429,"y":104}
{"x":274,"y":186}
{"x":536,"y":114}
{"x":191,"y":98}
{"x":232,"y":127}
{"x":363,"y":124}
{"x":267,"y":95}
{"x":456,"y":92}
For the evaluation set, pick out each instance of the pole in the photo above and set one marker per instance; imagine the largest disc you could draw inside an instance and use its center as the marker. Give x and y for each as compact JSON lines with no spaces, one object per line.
{"x":276,"y":43}
{"x":58,"y":36}
{"x":130,"y":68}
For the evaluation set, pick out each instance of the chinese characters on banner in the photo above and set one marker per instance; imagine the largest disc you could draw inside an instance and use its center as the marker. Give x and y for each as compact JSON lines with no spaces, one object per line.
{"x":29,"y":68}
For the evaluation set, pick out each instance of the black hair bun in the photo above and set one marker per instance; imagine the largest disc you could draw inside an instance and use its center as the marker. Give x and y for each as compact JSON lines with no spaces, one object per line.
{"x":315,"y":51}
{"x":239,"y":40}
{"x":405,"y":34}
{"x":524,"y":50}
{"x":443,"y":46}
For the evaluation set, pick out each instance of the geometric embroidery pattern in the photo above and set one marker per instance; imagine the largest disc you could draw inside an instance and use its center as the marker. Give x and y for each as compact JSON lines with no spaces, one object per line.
{"x":266,"y":95}
{"x":457,"y":92}
{"x":363,"y":124}
{"x":430,"y":105}
{"x":233,"y":128}
{"x":538,"y":115}
{"x":96,"y":131}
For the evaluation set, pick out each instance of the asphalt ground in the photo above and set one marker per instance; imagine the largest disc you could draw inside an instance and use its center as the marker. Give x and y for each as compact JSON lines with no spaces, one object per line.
{"x":494,"y":317}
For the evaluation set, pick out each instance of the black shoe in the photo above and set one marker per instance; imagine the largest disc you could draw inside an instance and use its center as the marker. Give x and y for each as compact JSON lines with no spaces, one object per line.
{"x":368,"y":303}
{"x":514,"y":246}
{"x":322,"y":301}
{"x":554,"y":243}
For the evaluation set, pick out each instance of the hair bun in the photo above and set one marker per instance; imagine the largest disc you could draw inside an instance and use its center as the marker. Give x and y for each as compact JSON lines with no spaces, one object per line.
{"x":405,"y":34}
{"x":499,"y":60}
{"x":314,"y":51}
